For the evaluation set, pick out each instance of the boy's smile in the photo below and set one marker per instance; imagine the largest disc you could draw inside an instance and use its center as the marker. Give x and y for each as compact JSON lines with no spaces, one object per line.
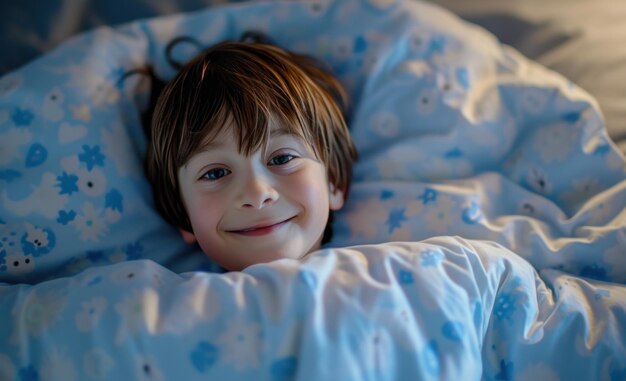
{"x":262,"y":228}
{"x":269,"y":205}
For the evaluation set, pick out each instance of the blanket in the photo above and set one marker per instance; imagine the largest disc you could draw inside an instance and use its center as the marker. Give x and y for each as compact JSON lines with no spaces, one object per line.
{"x":445,"y":308}
{"x":484,"y":236}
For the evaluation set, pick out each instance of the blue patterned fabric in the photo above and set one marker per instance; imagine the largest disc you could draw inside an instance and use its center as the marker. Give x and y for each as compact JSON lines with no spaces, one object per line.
{"x":459,"y":136}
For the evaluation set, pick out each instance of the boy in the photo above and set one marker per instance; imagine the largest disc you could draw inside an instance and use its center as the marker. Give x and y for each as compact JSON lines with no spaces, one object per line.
{"x":250,"y":153}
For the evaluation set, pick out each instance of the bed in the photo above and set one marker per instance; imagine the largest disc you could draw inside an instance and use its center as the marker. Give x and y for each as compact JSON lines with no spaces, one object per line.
{"x":484,"y":236}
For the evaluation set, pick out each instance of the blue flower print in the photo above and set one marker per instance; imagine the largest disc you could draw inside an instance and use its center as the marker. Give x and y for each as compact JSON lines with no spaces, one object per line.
{"x":453,"y":330}
{"x":386,"y":194}
{"x":38,"y":241}
{"x":9,"y":175}
{"x":91,"y":156}
{"x":67,"y":183}
{"x":406,"y":277}
{"x":455,"y":153}
{"x":471,"y":215}
{"x":430,"y":258}
{"x":37,"y":155}
{"x":505,"y":306}
{"x":3,"y":263}
{"x":65,"y":218}
{"x":360,"y":44}
{"x":22,"y":117}
{"x":429,"y":195}
{"x":9,"y":241}
{"x":437,"y":45}
{"x":284,"y":369}
{"x":395,"y":219}
{"x":113,"y":200}
{"x":204,"y":356}
{"x":571,"y":117}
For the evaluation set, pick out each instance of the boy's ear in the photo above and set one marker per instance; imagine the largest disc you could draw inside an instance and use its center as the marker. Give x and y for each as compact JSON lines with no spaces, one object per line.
{"x":336,"y":198}
{"x":188,"y":237}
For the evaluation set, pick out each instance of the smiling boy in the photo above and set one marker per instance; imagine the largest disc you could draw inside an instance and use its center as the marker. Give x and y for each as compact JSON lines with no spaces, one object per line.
{"x":250,"y":153}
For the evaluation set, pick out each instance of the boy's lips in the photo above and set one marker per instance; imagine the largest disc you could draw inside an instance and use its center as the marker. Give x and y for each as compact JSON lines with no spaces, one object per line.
{"x":262,"y":228}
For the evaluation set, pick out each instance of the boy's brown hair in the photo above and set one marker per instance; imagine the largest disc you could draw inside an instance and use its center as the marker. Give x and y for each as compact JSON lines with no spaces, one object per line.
{"x":246,"y":84}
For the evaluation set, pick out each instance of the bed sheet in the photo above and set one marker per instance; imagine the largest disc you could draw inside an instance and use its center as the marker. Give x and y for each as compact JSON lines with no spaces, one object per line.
{"x":459,"y":136}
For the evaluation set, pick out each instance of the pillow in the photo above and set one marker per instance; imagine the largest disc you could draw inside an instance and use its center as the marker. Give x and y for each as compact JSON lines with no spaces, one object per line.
{"x":582,"y":41}
{"x":73,"y":192}
{"x":434,"y":99}
{"x":553,"y":35}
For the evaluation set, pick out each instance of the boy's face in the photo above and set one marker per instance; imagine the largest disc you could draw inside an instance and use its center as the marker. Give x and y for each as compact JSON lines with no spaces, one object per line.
{"x":251,"y":209}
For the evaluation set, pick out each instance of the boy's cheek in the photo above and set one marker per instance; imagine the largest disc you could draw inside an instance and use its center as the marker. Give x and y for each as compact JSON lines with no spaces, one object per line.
{"x":314,"y":189}
{"x":205,"y":215}
{"x":204,"y":218}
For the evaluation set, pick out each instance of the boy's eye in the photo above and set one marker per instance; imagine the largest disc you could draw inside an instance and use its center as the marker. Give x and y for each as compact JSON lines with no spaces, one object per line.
{"x":281,"y":159}
{"x":215,"y":174}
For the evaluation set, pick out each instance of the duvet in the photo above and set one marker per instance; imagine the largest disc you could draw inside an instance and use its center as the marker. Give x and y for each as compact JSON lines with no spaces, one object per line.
{"x":484,"y":237}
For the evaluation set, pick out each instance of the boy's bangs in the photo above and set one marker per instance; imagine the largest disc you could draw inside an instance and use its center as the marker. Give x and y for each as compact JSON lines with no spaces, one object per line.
{"x":244,"y":93}
{"x":248,"y":120}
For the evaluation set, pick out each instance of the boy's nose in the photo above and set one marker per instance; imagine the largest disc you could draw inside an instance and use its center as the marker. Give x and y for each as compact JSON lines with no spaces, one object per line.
{"x":258,"y":193}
